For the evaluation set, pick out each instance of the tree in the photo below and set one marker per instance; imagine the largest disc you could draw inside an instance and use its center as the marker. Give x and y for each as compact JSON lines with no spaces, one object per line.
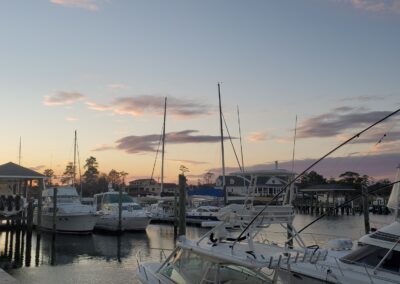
{"x":183,"y":169}
{"x":312,"y":178}
{"x":114,"y":177}
{"x":208,"y":177}
{"x":68,"y":174}
{"x":50,"y":174}
{"x":91,"y":173}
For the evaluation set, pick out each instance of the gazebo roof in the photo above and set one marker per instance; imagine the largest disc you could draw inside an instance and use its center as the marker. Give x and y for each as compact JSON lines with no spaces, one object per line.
{"x":14,"y":171}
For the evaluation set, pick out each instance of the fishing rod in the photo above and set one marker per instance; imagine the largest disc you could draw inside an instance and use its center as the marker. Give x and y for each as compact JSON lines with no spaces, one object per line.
{"x":310,"y":167}
{"x":342,"y":205}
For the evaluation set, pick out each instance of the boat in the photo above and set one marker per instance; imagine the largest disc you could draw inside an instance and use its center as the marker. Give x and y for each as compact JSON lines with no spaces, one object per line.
{"x":71,"y":215}
{"x":133,"y":216}
{"x":205,"y":213}
{"x":375,"y":258}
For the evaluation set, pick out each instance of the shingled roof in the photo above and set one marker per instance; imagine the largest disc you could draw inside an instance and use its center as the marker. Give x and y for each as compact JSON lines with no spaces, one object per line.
{"x":11,"y":170}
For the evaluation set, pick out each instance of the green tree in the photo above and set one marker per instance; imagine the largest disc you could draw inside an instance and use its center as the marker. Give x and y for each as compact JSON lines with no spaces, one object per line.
{"x":50,"y":174}
{"x":114,"y":177}
{"x":312,"y":178}
{"x":91,"y":171}
{"x":68,"y":174}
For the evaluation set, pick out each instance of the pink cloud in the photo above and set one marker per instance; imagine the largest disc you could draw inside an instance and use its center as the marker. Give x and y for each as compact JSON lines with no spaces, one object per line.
{"x":375,"y":6}
{"x":71,"y":118}
{"x":92,"y":5}
{"x":62,"y":98}
{"x":98,"y":107}
{"x":257,"y":136}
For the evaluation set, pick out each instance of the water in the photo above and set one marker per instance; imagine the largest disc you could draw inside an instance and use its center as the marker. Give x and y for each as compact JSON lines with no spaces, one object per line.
{"x":102,"y":258}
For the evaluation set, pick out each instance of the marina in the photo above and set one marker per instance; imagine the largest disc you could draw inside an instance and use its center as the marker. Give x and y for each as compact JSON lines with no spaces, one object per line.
{"x":102,"y":258}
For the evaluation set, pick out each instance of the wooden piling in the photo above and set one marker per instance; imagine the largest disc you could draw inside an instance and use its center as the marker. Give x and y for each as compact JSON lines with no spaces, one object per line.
{"x":120,"y":209}
{"x":365,"y":209}
{"x":29,"y":216}
{"x":182,"y":207}
{"x":54,"y":210}
{"x":39,"y":209}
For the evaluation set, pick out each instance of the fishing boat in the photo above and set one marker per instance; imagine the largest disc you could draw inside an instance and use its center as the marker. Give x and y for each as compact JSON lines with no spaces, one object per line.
{"x":133,"y":216}
{"x":375,"y":259}
{"x":71,"y":215}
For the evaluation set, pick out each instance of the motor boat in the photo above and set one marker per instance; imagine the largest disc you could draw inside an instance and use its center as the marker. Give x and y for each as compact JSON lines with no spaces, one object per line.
{"x":375,"y":259}
{"x":133,"y":216}
{"x":205,"y":213}
{"x":71,"y":215}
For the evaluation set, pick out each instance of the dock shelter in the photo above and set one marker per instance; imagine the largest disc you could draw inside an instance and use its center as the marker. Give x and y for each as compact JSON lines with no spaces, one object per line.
{"x":16,"y":181}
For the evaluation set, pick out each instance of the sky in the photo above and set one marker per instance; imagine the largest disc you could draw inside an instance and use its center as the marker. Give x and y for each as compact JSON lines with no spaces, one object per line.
{"x":104,"y":68}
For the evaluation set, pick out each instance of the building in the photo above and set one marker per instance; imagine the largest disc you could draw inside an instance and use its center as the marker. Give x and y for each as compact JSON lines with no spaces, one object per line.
{"x":143,"y":187}
{"x":260,"y":183}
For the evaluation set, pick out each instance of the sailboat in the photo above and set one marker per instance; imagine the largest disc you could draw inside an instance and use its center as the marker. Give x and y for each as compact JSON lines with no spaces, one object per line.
{"x":71,"y":215}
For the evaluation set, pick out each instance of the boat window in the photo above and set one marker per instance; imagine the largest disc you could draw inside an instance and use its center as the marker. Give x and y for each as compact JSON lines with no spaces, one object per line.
{"x":372,"y":255}
{"x":235,"y":274}
{"x":114,"y":198}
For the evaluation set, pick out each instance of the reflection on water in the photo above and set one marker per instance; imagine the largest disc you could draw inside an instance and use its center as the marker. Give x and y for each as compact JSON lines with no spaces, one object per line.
{"x":101,"y":258}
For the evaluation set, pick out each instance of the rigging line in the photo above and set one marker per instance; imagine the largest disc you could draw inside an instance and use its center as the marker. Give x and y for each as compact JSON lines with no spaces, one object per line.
{"x":345,"y":203}
{"x":311,"y":166}
{"x":240,"y":136}
{"x":233,"y":146}
{"x":158,"y":150}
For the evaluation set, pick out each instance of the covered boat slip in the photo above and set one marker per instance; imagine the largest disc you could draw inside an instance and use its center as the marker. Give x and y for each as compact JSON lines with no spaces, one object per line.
{"x":16,"y":184}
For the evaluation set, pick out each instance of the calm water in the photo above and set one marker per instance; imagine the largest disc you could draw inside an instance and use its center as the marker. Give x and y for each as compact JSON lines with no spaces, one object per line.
{"x":101,"y":258}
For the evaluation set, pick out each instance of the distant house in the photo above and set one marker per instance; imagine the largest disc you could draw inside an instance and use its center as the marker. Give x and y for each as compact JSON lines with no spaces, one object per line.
{"x":142,"y":187}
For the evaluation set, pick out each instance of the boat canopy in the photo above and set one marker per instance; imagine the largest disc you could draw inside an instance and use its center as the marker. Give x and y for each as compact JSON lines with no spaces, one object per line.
{"x":61,"y":191}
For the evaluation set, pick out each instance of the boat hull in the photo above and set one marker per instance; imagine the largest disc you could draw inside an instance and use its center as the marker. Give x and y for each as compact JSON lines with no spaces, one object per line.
{"x":134,"y":223}
{"x":79,"y":223}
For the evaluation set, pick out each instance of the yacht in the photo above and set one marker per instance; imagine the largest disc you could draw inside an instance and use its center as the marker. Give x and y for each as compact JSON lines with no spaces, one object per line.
{"x":134,"y":217}
{"x":205,"y":213}
{"x":71,"y":215}
{"x":375,"y":259}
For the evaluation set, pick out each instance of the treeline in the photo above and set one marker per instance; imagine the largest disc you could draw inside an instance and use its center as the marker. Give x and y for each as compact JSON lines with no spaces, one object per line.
{"x":351,"y":179}
{"x":92,"y":181}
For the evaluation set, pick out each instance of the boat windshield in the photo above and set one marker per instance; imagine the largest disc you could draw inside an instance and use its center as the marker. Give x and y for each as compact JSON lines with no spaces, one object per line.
{"x":114,"y":198}
{"x":188,"y":267}
{"x":371,"y":256}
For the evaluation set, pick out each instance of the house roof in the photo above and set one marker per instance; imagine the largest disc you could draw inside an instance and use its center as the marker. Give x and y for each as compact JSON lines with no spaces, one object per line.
{"x":14,"y":171}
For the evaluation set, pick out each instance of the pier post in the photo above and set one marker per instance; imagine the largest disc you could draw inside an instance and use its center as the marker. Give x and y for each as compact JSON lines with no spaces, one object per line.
{"x":54,"y":209}
{"x":182,"y":209}
{"x":365,"y":208}
{"x":29,"y":216}
{"x":39,"y":209}
{"x":175,"y":213}
{"x":120,"y":209}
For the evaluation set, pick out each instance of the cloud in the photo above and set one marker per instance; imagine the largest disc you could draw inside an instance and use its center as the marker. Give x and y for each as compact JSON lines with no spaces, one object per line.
{"x":190,"y":162}
{"x":257,"y":136}
{"x":378,"y":165}
{"x":63,"y":98}
{"x":138,"y":105}
{"x":92,"y":5}
{"x":37,"y":168}
{"x":149,"y":143}
{"x":375,"y":6}
{"x":117,"y":86}
{"x":71,"y":118}
{"x":363,"y":99}
{"x":334,"y":123}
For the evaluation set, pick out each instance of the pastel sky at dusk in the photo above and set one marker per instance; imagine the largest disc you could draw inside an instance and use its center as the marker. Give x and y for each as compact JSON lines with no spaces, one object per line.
{"x":103,"y":67}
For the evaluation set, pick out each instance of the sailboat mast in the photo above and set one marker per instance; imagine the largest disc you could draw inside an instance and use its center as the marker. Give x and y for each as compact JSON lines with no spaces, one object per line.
{"x":240,"y":137}
{"x":19,"y":153}
{"x":74,"y":174}
{"x":222,"y":146}
{"x":163,"y":147}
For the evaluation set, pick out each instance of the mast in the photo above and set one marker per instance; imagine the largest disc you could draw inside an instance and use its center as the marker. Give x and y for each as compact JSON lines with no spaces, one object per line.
{"x":289,"y":195}
{"x":74,"y":174}
{"x":222,"y":146}
{"x":240,"y":137}
{"x":163,"y":147}
{"x":19,"y":153}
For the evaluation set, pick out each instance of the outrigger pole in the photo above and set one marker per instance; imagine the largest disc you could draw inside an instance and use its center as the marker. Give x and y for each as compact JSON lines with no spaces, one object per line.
{"x":311,"y":166}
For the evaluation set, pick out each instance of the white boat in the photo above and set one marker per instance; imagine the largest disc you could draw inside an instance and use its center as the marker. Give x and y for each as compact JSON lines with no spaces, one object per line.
{"x":205,"y":213}
{"x":376,"y":259}
{"x":71,"y":215}
{"x":133,"y":216}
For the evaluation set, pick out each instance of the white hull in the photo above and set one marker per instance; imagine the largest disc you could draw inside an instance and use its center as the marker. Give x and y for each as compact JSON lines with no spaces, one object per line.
{"x":131,"y":223}
{"x":79,"y":223}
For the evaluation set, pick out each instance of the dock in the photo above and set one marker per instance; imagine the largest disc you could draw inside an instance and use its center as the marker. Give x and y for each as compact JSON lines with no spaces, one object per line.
{"x":6,"y":278}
